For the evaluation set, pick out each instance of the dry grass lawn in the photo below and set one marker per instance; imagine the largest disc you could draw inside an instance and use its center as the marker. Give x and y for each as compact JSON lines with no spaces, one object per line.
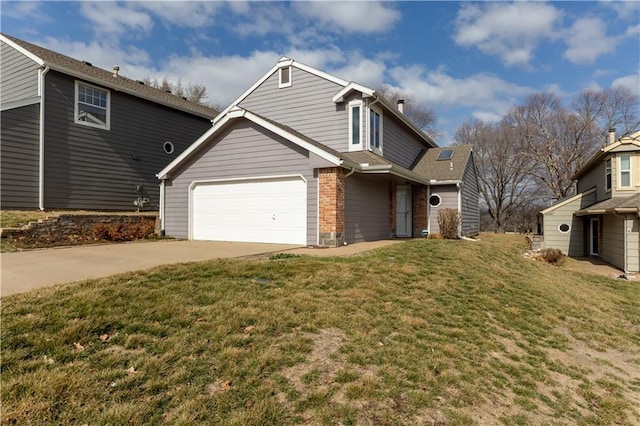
{"x":425,"y":332}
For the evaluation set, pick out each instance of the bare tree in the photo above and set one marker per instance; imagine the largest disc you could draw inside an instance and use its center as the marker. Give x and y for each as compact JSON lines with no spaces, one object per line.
{"x":556,"y":140}
{"x":620,"y":111}
{"x":503,"y":168}
{"x":193,"y":92}
{"x":420,"y":115}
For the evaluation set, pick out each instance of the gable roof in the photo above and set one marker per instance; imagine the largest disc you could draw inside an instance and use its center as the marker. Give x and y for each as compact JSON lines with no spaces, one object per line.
{"x":90,"y":73}
{"x":626,"y":143}
{"x":362,"y":162}
{"x":444,"y":170}
{"x":339,"y":97}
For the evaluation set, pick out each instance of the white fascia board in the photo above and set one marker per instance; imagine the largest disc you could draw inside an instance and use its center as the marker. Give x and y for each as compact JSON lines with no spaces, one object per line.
{"x":403,"y":118}
{"x":282,"y":62}
{"x":164,"y":173}
{"x":321,"y":74}
{"x":567,"y":201}
{"x":246,"y":93}
{"x":22,"y":50}
{"x":444,"y":182}
{"x":366,"y":92}
{"x":19,"y":103}
{"x":390,"y":169}
{"x":292,"y":138}
{"x":234,"y":113}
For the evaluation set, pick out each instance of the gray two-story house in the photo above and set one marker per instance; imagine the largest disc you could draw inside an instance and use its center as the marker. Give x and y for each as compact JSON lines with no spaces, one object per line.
{"x":305,"y":157}
{"x":75,"y":136}
{"x":603,"y":218}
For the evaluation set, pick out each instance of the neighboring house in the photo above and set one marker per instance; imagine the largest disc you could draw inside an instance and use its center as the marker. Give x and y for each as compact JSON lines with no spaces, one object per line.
{"x":75,"y":136}
{"x":308,"y":158}
{"x":603,"y":218}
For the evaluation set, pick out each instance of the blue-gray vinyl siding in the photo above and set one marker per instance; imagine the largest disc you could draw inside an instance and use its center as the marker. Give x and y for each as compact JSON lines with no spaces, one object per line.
{"x":19,"y":155}
{"x":90,"y":168}
{"x":470,"y":201}
{"x":19,"y":75}
{"x":399,"y":145}
{"x":367,"y":209}
{"x":448,"y":200}
{"x":242,"y":150}
{"x":306,"y":106}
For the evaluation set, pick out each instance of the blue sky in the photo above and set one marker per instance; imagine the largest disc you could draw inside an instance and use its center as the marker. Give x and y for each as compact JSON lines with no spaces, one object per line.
{"x":464,"y":60}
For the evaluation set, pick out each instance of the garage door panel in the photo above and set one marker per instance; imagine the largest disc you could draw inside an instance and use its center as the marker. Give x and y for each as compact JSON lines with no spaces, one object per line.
{"x":271,"y":210}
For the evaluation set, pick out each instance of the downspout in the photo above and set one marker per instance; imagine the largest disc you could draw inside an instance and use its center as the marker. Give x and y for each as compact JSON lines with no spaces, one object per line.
{"x":161,"y":208}
{"x":41,"y":88}
{"x":459,"y":186}
{"x":353,"y":170}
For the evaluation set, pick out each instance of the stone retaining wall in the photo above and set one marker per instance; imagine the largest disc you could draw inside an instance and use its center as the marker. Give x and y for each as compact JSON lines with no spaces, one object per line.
{"x":76,"y":229}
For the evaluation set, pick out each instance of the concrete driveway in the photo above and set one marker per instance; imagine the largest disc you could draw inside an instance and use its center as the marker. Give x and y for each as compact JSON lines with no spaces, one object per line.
{"x":28,"y":270}
{"x":24,"y":271}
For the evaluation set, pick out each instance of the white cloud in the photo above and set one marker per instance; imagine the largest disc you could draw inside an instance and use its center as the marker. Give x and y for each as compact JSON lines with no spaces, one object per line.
{"x":625,"y":10}
{"x":33,"y":10}
{"x":102,"y":55}
{"x":190,"y":14}
{"x":631,"y":82}
{"x":587,"y":40}
{"x":350,"y":16}
{"x":114,"y":18}
{"x":511,"y":31}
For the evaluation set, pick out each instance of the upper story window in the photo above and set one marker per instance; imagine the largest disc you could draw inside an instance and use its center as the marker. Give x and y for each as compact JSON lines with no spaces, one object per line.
{"x":375,"y":129}
{"x":625,"y":171}
{"x":607,"y":174}
{"x":285,"y":77}
{"x":92,"y":106}
{"x":355,"y":124}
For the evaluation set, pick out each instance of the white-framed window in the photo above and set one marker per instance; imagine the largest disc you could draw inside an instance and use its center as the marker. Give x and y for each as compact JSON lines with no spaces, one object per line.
{"x":355,"y":126}
{"x":284,"y":77}
{"x":92,"y":106}
{"x":607,"y":174}
{"x":375,"y":129}
{"x":625,"y":171}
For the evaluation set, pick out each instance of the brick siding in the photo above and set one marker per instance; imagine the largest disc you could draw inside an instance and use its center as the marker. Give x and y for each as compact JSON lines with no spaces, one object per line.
{"x":331,"y":200}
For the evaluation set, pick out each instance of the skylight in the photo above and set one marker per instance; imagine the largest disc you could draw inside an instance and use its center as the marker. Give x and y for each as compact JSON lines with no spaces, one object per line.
{"x":445,"y":154}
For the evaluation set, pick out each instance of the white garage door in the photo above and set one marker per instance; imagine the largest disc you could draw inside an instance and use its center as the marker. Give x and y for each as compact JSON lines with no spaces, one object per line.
{"x":264,"y":211}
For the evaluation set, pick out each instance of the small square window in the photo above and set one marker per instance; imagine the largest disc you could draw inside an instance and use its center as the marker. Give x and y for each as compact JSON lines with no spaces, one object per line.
{"x":285,"y":77}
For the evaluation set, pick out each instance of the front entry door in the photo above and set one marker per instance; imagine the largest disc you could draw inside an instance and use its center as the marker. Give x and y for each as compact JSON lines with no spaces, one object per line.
{"x":594,"y":229}
{"x":403,"y":211}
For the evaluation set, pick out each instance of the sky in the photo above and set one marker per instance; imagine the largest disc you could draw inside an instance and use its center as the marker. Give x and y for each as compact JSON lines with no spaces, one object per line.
{"x":464,"y":60}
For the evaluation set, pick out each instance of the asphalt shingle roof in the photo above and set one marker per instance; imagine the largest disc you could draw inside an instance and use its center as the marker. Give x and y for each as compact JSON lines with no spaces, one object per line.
{"x":84,"y":70}
{"x":431,"y":168}
{"x":612,"y":204}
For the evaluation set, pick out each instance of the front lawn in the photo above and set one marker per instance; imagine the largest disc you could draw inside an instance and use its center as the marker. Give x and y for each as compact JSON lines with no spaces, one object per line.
{"x":425,"y":332}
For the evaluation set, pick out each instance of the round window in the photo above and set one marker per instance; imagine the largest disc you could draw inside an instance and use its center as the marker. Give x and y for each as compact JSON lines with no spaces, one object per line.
{"x":434,"y":200}
{"x":564,"y":228}
{"x":168,"y":147}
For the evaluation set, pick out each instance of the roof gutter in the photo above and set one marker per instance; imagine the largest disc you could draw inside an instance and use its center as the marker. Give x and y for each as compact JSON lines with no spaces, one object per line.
{"x":41,"y":89}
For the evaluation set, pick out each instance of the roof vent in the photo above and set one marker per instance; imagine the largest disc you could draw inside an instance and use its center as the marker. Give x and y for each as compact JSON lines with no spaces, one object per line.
{"x":184,"y":99}
{"x":401,"y":106}
{"x":88,"y":63}
{"x":116,"y":69}
{"x":167,"y":91}
{"x":141,"y":82}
